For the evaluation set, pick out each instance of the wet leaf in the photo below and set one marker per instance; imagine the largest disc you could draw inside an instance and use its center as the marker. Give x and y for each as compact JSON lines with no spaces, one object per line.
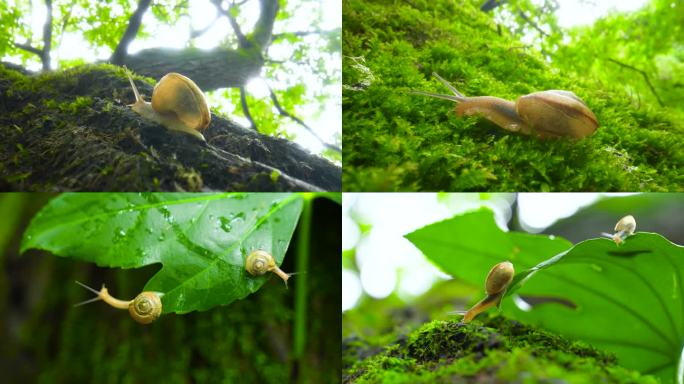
{"x":201,"y":240}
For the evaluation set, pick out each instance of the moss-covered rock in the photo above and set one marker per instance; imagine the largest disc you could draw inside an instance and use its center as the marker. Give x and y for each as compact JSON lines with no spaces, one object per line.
{"x":497,"y":351}
{"x":394,"y":140}
{"x":72,"y":130}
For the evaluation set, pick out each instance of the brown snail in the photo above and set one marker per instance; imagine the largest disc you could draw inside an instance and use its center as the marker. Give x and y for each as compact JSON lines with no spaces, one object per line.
{"x":625,"y":227}
{"x":145,"y":308}
{"x":177,"y":103}
{"x":259,"y":262}
{"x":498,"y":279}
{"x":545,"y":114}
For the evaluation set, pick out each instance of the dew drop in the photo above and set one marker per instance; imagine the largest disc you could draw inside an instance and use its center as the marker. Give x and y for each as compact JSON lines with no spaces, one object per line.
{"x":225,"y":224}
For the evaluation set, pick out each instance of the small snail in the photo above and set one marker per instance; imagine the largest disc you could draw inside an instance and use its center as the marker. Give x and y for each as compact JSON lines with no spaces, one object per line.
{"x":145,"y":308}
{"x":259,"y":262}
{"x":545,"y":114}
{"x":497,"y":281}
{"x":177,"y":103}
{"x":625,"y":227}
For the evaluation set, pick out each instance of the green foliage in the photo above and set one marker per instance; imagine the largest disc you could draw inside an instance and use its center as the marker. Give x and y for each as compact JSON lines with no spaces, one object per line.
{"x":201,"y":240}
{"x":394,"y":140}
{"x":586,"y":288}
{"x":619,"y":47}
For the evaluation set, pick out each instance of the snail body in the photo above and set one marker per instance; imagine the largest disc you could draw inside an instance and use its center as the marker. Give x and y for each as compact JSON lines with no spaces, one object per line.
{"x":177,"y":103}
{"x":498,"y":279}
{"x":545,"y":114}
{"x":260,"y":262}
{"x":145,"y":308}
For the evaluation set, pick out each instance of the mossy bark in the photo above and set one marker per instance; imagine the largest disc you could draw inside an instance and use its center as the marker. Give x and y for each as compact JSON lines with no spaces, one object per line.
{"x":72,"y":130}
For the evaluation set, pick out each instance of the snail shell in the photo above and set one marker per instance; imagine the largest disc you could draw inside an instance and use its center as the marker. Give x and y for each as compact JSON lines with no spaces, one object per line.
{"x":259,"y":262}
{"x":499,"y":277}
{"x":177,"y":103}
{"x":179,"y":95}
{"x":145,"y":308}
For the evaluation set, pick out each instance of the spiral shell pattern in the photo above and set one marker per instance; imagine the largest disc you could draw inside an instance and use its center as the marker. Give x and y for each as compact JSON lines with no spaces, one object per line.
{"x":145,"y":308}
{"x":259,"y":262}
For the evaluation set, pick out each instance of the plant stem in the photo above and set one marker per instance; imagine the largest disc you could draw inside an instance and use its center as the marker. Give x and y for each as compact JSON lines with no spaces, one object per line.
{"x":301,"y":265}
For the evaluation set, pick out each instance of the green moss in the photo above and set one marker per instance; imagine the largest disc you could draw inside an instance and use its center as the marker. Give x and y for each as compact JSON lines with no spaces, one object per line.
{"x":395,"y":140}
{"x":500,"y":350}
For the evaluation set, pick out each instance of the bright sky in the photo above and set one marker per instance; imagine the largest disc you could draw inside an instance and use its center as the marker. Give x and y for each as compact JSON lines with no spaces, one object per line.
{"x":387,"y":261}
{"x":327,"y":123}
{"x":582,"y":12}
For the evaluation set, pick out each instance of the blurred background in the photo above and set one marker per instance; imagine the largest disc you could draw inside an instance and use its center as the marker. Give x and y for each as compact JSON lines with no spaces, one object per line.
{"x":46,"y":339}
{"x":387,"y":282}
{"x":638,"y":44}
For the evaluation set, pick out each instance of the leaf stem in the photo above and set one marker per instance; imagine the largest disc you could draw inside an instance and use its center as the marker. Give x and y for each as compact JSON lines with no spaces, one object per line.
{"x":302,"y":262}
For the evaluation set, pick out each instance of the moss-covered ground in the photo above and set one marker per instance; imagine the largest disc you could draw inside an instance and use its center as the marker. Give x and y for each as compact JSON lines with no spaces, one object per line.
{"x":491,"y":349}
{"x":394,"y":140}
{"x":72,"y":130}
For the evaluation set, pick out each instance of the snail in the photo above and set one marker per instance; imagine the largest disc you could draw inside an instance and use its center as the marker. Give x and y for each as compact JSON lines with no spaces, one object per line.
{"x":259,"y":262}
{"x":177,"y":103}
{"x":497,"y":281}
{"x":145,"y":308}
{"x":625,"y":227}
{"x":545,"y":114}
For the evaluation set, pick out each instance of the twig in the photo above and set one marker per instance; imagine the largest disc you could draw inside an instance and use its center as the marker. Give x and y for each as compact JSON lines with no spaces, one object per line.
{"x":243,"y":42}
{"x":194,"y":33}
{"x":644,"y":74}
{"x":131,"y":31}
{"x":532,"y":23}
{"x":304,"y":33}
{"x":299,"y":121}
{"x":245,"y":108}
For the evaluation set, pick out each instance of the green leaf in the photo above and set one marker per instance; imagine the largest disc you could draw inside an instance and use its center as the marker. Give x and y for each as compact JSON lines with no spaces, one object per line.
{"x":627,"y":299}
{"x":202,"y":240}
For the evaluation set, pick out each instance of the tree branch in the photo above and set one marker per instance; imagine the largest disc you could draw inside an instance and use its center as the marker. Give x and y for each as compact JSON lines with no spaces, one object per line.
{"x":131,"y":31}
{"x":47,"y":36}
{"x":42,"y":53}
{"x":532,"y":23}
{"x":303,"y":33}
{"x":194,"y":33}
{"x":299,"y":121}
{"x":245,"y":108}
{"x":263,"y":29}
{"x":491,"y":4}
{"x":242,"y":39}
{"x":29,"y":48}
{"x":644,"y":74}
